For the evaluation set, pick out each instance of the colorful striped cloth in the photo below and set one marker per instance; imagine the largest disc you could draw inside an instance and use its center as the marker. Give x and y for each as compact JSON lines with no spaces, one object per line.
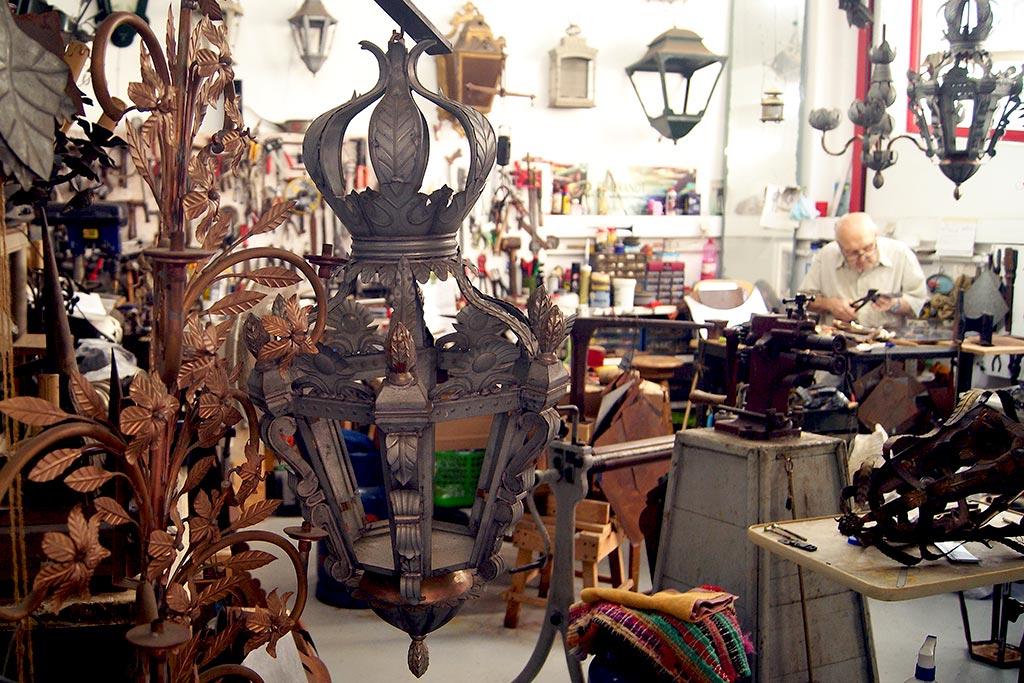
{"x":712,"y":650}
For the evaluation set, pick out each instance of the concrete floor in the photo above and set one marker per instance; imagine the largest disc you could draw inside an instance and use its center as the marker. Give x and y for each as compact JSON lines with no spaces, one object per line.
{"x":357,"y":647}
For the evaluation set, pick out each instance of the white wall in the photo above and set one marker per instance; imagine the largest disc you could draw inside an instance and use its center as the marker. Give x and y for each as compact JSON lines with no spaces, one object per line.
{"x":277,"y":86}
{"x":615,"y":134}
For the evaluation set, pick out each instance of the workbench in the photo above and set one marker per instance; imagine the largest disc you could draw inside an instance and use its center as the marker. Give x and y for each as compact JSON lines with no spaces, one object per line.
{"x":870,"y":573}
{"x":1001,"y":345}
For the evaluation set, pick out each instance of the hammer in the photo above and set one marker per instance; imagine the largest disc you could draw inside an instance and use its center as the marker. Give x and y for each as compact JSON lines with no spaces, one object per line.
{"x":511,"y":245}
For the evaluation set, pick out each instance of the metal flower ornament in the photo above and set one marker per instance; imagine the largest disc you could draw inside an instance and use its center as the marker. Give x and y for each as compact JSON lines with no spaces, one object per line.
{"x":189,"y":399}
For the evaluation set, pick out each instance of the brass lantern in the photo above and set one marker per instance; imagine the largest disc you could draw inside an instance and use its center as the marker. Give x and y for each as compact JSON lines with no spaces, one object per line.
{"x":772,"y":105}
{"x":313,"y":30}
{"x":663,"y":78}
{"x":471,"y":74}
{"x":573,"y":71}
{"x":958,"y":89}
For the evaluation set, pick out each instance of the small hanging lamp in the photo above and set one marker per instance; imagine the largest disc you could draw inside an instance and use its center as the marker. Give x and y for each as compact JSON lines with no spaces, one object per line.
{"x":771,"y":106}
{"x":313,"y":30}
{"x":674,"y":57}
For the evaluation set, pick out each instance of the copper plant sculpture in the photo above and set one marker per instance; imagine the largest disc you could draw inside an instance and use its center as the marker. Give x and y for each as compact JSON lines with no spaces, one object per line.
{"x":920,"y":494}
{"x":188,"y":400}
{"x":414,"y":571}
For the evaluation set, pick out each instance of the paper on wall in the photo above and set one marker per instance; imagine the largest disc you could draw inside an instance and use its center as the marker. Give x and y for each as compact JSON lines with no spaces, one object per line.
{"x":955,"y":238}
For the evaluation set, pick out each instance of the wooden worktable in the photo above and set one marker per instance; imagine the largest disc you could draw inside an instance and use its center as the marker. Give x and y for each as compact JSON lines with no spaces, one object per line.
{"x":869,"y":572}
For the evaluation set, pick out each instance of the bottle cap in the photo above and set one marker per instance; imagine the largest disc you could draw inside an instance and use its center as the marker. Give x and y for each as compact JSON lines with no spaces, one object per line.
{"x":925,"y":670}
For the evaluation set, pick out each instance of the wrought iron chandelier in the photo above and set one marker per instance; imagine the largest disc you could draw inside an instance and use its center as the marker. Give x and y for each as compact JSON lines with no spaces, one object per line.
{"x":871,"y":115}
{"x":959,"y":89}
{"x":415,"y":572}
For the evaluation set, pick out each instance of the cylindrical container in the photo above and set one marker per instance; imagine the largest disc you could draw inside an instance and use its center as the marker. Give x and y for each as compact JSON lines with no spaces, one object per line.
{"x":585,"y":271}
{"x":624,"y":293}
{"x":600,"y":290}
{"x":709,"y":261}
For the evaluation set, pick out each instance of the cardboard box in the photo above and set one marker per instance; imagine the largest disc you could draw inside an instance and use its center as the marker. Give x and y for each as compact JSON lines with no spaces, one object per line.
{"x":465,"y":434}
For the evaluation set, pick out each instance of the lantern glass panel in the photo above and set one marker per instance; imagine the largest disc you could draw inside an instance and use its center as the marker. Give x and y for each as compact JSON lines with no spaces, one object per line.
{"x":575,"y":77}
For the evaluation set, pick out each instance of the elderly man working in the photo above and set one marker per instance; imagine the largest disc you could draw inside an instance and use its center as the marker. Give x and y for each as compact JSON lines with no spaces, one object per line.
{"x":858,"y":261}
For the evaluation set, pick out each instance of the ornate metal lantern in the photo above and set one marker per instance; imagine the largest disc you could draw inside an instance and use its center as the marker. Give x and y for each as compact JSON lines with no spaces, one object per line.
{"x":413,"y":570}
{"x":471,"y":74}
{"x":958,"y":89}
{"x":573,"y":71}
{"x":313,"y":30}
{"x":663,"y":78}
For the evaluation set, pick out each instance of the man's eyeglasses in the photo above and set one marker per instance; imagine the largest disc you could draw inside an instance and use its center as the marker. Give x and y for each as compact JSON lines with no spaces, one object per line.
{"x":859,"y":253}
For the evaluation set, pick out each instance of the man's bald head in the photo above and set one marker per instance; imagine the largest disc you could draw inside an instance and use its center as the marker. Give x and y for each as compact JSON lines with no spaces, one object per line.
{"x":857,"y":236}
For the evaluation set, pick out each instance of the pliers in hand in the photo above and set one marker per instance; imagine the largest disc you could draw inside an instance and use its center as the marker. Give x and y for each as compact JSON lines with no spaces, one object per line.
{"x":872,"y":295}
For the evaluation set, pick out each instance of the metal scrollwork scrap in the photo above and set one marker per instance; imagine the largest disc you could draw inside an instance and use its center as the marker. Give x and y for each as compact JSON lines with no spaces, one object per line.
{"x":923,"y":493}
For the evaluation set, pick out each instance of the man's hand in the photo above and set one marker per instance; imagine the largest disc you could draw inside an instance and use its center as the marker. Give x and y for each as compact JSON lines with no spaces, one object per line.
{"x":892,"y":304}
{"x":837,"y":307}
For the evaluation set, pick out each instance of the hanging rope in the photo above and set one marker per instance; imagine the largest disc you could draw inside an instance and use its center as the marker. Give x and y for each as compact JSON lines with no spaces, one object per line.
{"x":19,"y":556}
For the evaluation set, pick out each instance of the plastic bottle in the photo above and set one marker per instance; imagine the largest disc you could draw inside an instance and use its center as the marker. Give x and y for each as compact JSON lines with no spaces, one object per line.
{"x":925,"y":670}
{"x":670,"y":201}
{"x":709,"y":261}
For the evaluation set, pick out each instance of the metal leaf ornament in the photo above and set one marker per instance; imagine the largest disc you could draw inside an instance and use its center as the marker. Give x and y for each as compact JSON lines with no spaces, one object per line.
{"x":32,"y":81}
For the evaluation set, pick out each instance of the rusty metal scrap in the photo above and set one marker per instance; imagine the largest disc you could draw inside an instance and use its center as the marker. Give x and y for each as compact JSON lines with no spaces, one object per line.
{"x":926,"y":489}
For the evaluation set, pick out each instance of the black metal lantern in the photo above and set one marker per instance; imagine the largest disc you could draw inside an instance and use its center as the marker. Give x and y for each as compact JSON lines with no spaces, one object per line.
{"x":313,"y":30}
{"x":499,"y":364}
{"x":664,"y":77}
{"x":958,"y":89}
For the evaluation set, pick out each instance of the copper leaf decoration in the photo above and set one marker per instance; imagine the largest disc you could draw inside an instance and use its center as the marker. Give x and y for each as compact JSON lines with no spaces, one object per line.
{"x":219,"y":589}
{"x":275,"y":216}
{"x":58,"y":547}
{"x":177,"y":598}
{"x":54,"y":464}
{"x":88,"y":478}
{"x":33,"y":411}
{"x":236,"y":302}
{"x":255,"y":513}
{"x":110,"y":511}
{"x":86,"y":399}
{"x":197,"y":472}
{"x":273,"y":276}
{"x":161,"y":551}
{"x":247,"y":560}
{"x":32,"y":81}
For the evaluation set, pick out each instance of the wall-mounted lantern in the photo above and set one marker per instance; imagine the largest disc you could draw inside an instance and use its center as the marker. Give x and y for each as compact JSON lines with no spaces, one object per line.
{"x":313,"y":30}
{"x":664,"y":81}
{"x":573,"y":71}
{"x":472,"y":73}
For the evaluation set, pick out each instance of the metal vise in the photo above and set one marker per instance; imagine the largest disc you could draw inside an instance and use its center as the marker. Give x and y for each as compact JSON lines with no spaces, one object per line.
{"x":780,"y":353}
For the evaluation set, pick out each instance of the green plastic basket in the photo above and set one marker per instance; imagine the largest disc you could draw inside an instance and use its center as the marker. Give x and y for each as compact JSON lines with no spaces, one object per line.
{"x":455,"y":477}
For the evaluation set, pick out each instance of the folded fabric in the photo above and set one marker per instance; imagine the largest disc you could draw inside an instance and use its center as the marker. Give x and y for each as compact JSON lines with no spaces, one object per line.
{"x":692,"y":606}
{"x":662,"y":647}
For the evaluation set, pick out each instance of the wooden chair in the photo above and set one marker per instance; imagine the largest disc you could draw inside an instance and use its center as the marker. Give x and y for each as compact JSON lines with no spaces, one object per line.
{"x":597,"y":537}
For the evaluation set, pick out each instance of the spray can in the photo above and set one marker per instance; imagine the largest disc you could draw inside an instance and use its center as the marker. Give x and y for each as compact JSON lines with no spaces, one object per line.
{"x":925,"y":669}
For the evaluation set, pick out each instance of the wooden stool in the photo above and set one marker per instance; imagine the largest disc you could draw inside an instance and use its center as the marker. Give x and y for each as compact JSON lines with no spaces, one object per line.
{"x":597,"y":537}
{"x":657,"y":368}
